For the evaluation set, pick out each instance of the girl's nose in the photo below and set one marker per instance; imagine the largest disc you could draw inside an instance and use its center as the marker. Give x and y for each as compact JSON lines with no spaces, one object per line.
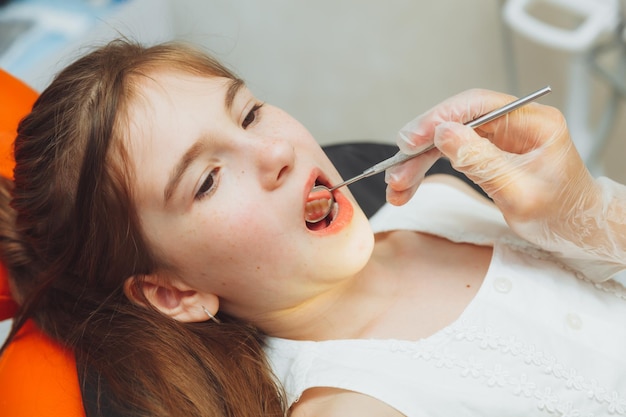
{"x":275,"y":160}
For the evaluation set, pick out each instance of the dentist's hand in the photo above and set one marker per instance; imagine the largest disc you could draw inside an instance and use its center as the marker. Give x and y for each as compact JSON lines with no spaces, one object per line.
{"x":526,"y":162}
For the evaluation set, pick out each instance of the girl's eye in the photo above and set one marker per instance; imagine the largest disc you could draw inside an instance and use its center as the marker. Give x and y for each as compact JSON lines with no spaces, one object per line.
{"x":251,"y":116}
{"x":207,"y":186}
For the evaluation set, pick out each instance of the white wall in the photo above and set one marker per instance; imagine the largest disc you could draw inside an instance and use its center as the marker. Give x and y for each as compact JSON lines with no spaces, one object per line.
{"x":356,"y":69}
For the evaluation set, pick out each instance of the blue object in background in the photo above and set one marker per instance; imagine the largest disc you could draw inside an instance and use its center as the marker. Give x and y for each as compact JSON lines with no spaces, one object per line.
{"x":32,"y":31}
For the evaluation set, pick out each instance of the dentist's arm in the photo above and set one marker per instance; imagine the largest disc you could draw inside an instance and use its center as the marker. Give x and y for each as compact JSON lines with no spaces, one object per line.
{"x":527,"y":163}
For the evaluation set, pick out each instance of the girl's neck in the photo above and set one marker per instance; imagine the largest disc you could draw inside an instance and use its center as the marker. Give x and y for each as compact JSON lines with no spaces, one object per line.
{"x":411,"y":278}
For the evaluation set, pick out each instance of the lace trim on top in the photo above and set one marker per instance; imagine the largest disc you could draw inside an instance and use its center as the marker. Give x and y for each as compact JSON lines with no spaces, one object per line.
{"x":493,"y":374}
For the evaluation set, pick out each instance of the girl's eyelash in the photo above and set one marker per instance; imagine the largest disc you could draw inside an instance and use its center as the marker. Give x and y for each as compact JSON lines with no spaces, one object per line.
{"x":208,"y":185}
{"x":251,"y":116}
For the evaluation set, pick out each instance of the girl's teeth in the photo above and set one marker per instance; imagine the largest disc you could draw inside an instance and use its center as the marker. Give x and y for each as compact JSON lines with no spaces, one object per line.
{"x":316,"y":208}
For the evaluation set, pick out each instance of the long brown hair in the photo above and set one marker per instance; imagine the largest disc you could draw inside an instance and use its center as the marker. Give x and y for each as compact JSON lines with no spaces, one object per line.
{"x":71,"y":237}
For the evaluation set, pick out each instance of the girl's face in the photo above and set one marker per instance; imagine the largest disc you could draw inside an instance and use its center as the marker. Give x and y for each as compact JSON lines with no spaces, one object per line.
{"x":221,"y":186}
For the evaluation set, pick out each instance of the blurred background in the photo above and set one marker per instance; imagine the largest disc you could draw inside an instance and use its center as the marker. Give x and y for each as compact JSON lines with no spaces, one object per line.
{"x":357,"y":70}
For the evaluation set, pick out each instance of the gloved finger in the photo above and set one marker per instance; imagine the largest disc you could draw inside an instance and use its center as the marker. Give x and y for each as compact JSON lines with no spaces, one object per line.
{"x":402,"y":180}
{"x":516,"y":183}
{"x":405,"y":175}
{"x":462,"y":108}
{"x":479,"y":159}
{"x":413,"y":138}
{"x":398,"y":198}
{"x":527,"y":128}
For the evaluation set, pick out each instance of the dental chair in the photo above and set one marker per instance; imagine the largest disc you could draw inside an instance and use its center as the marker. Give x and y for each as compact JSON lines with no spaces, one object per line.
{"x":38,"y":376}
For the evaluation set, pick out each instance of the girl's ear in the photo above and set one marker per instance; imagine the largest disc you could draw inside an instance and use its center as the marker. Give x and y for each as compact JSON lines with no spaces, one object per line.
{"x":171,"y":297}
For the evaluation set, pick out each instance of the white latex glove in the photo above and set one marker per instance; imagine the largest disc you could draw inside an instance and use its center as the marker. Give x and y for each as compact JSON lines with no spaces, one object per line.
{"x":526,"y":162}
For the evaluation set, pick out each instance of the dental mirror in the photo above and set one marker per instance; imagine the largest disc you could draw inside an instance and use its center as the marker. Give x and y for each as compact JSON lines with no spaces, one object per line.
{"x":321,"y":200}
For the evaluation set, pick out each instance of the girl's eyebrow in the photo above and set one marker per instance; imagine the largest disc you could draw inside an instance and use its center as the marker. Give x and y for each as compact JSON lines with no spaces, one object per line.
{"x":179,"y":170}
{"x":234,"y":86}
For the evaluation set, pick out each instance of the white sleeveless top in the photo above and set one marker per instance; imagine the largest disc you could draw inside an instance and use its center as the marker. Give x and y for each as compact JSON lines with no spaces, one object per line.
{"x":535,"y":341}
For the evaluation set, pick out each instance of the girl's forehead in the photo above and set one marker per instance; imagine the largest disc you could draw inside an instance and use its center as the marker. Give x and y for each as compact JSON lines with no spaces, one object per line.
{"x":164,"y":80}
{"x":166,"y":95}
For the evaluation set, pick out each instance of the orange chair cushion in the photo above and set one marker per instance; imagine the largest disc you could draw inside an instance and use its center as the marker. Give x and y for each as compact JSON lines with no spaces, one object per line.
{"x":16,"y":100}
{"x":38,"y":377}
